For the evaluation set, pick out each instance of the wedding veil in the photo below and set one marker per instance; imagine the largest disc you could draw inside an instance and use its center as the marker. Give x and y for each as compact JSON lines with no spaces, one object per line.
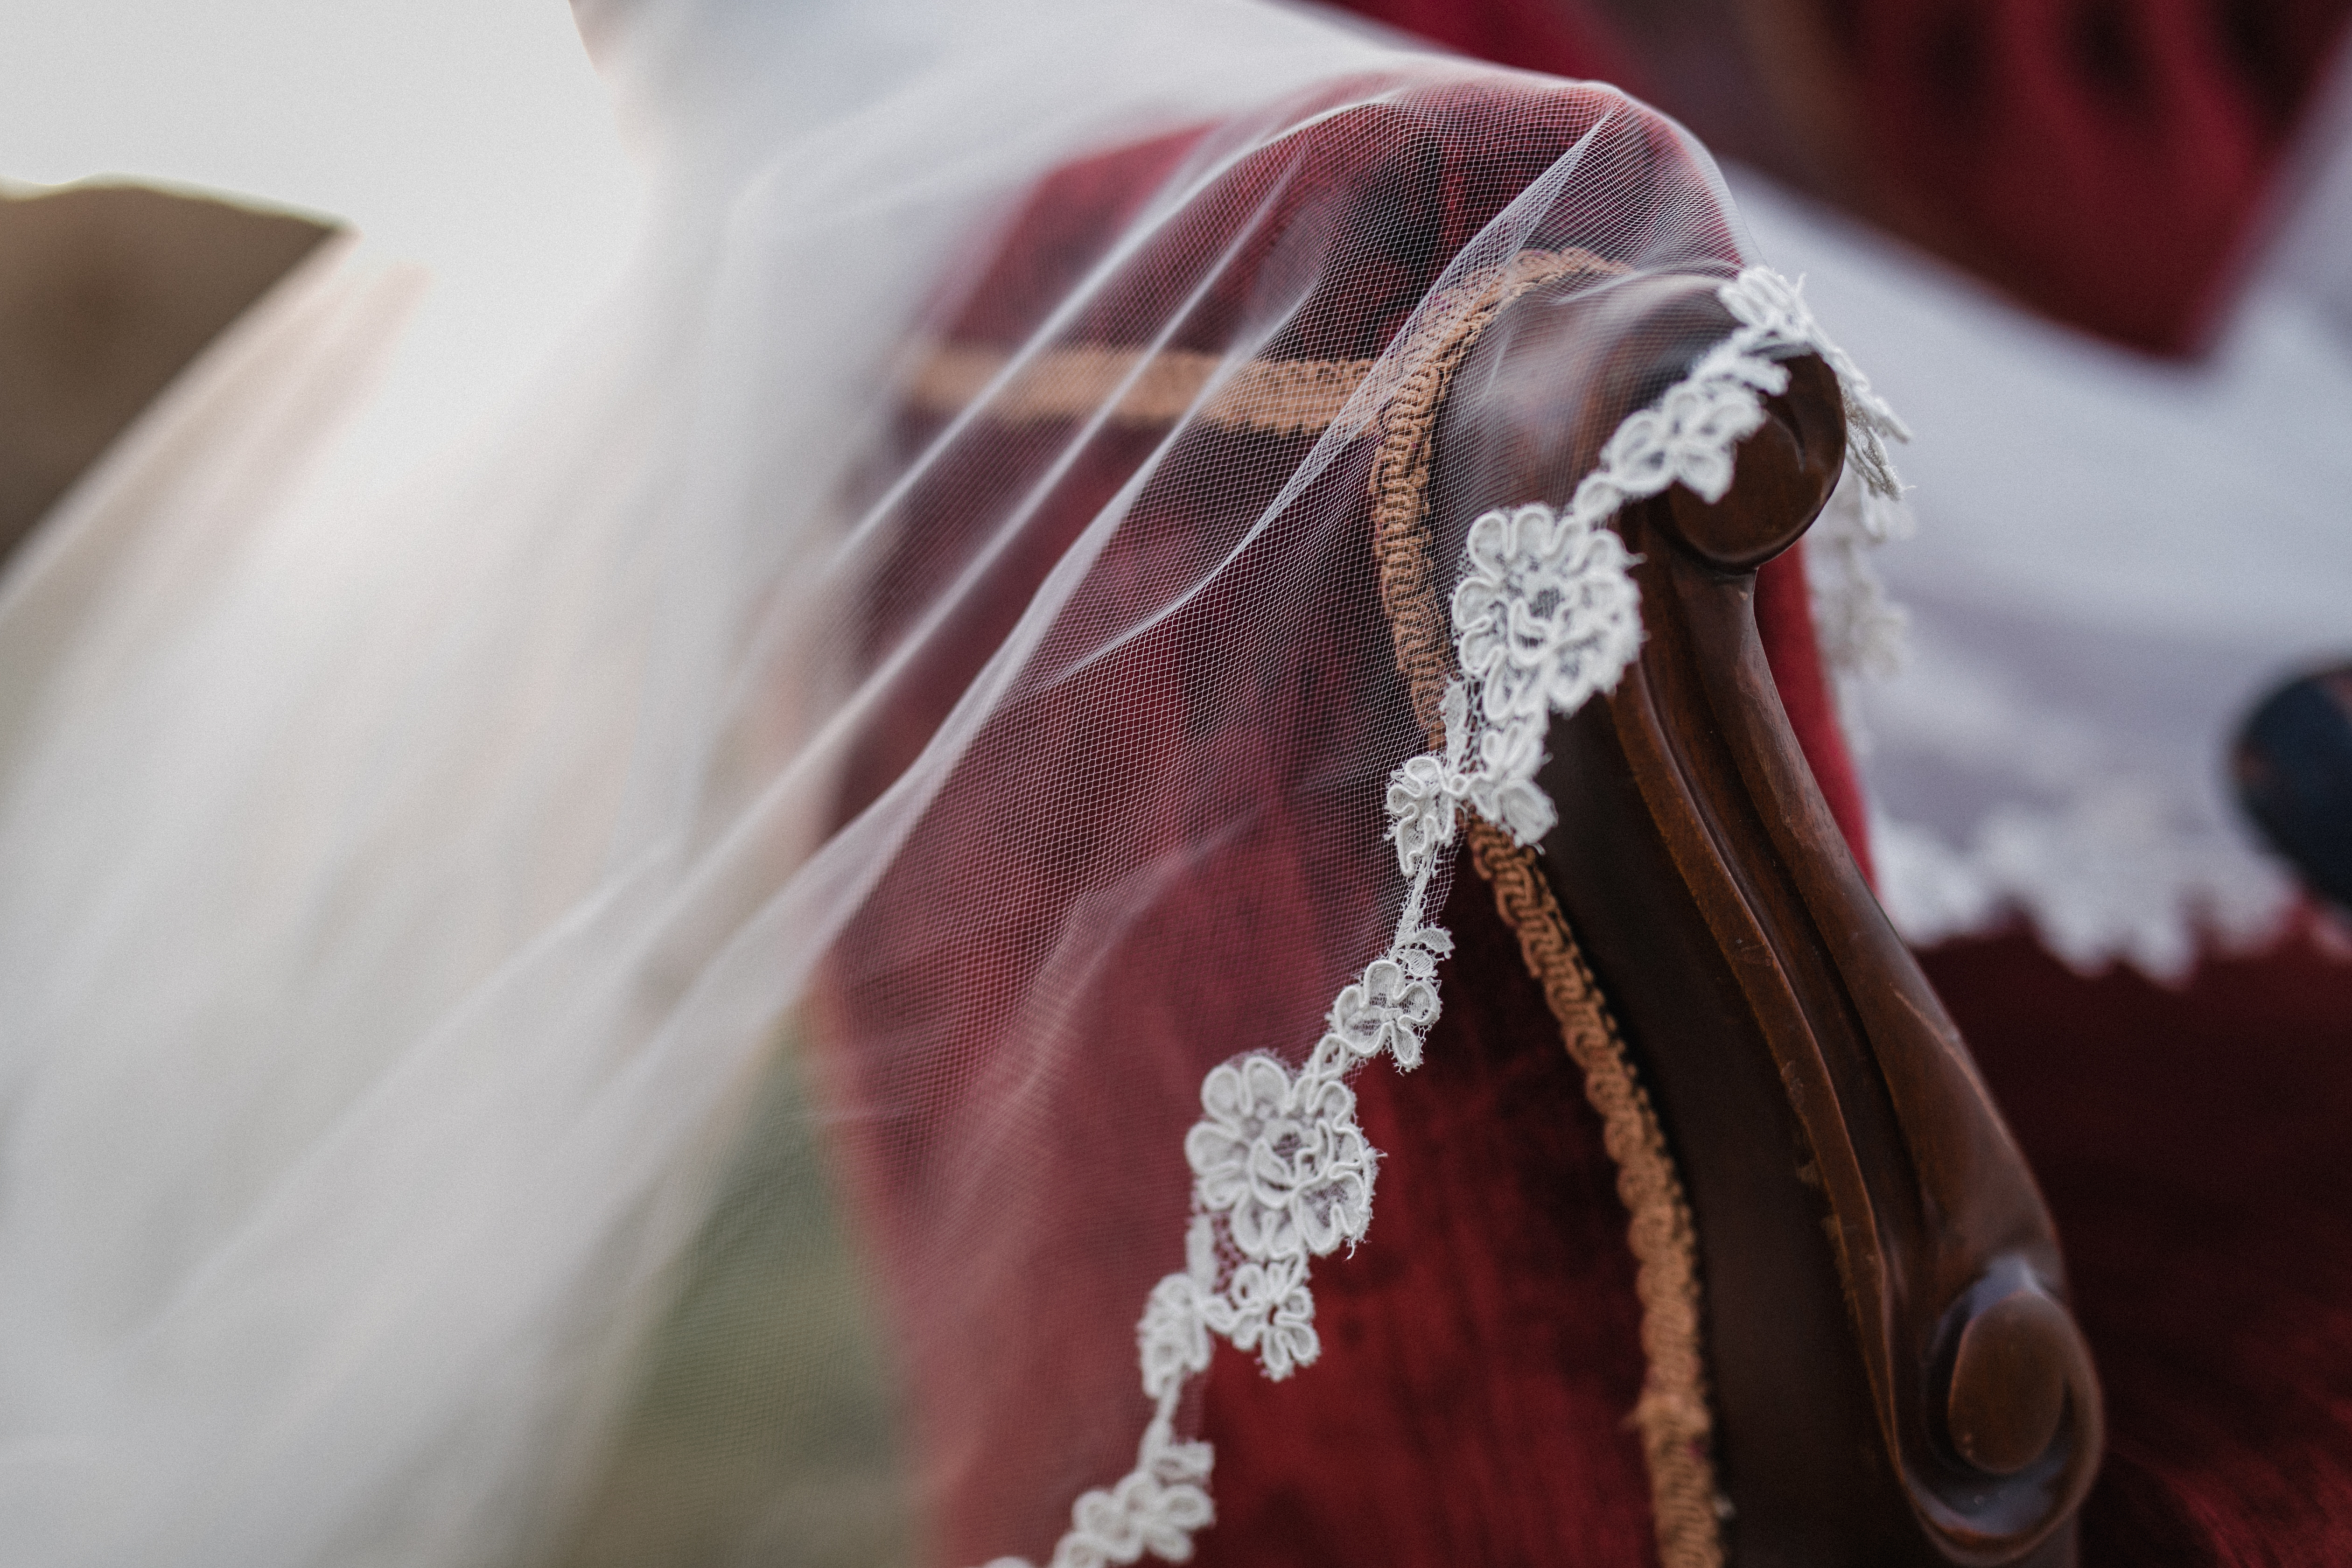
{"x":890,"y":755}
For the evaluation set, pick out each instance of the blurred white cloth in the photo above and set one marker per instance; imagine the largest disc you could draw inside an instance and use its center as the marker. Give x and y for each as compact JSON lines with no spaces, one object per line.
{"x":2114,"y":559}
{"x":415,"y":747}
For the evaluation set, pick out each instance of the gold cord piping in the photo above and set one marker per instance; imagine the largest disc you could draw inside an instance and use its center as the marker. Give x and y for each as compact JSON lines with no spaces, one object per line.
{"x":1672,"y":1414}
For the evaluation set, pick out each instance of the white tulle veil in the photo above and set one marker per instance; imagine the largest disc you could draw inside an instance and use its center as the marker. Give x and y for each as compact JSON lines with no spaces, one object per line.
{"x":477,"y":952}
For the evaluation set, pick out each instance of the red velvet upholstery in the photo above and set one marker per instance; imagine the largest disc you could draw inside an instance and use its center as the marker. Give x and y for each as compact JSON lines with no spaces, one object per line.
{"x":2107,"y":161}
{"x":1482,"y":1346}
{"x":1482,"y":1353}
{"x":2196,"y":1147}
{"x":1482,"y":1350}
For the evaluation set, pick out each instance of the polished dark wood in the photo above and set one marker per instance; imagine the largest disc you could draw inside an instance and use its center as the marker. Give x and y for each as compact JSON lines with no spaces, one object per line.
{"x":107,"y":293}
{"x":1894,"y":1375}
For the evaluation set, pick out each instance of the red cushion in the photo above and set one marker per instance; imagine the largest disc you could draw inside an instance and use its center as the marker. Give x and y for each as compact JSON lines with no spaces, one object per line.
{"x":2196,"y":1146}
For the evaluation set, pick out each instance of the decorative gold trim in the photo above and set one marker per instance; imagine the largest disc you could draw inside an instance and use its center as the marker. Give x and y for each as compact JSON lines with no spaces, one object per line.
{"x":1672,"y":1414}
{"x":1134,"y":386}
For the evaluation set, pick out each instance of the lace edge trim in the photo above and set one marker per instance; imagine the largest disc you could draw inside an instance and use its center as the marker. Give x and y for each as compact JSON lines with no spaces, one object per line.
{"x":2101,"y":879}
{"x":1545,"y":614}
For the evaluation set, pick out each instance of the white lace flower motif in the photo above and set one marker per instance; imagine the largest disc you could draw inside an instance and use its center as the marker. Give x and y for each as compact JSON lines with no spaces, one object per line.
{"x":1389,"y":1009}
{"x":1505,"y":791}
{"x":1156,"y":1508}
{"x":1546,"y":613}
{"x":1772,"y":313}
{"x":1689,"y":435}
{"x":1425,"y":797}
{"x":1282,"y":1159}
{"x":1172,"y":1339}
{"x":1762,"y":298}
{"x":1141,"y":1514}
{"x":1425,"y":794}
{"x":1269,"y":1310}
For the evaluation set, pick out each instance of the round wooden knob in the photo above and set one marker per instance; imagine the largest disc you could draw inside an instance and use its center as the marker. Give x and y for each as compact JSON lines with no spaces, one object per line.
{"x":2010,"y":1377}
{"x":1782,"y":477}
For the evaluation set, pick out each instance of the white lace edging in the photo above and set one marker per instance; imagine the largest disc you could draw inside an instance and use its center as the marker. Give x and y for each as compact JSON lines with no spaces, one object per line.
{"x":2108,"y":873}
{"x":2109,"y":876}
{"x":1863,"y":634}
{"x":1545,"y":614}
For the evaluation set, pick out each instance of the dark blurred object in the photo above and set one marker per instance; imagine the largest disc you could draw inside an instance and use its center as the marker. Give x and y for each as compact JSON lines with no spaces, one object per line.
{"x":106,"y":293}
{"x":2294,"y":767}
{"x":2107,"y":162}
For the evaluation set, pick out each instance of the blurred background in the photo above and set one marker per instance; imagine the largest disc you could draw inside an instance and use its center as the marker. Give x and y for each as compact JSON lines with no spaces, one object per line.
{"x":471,"y":137}
{"x":2114,"y":164}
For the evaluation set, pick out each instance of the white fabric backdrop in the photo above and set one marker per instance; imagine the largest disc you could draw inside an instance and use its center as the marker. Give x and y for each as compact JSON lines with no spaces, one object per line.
{"x":2114,"y":559}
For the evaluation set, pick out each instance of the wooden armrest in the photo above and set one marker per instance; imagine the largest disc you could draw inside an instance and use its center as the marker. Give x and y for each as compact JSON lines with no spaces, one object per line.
{"x":1893,"y":1375}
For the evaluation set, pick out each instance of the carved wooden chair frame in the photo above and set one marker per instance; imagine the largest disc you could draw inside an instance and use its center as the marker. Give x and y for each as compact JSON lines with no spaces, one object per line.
{"x":1893,"y":1372}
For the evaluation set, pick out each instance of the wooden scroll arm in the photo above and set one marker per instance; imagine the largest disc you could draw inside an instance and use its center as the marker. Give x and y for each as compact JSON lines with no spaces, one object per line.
{"x":1896,"y":1377}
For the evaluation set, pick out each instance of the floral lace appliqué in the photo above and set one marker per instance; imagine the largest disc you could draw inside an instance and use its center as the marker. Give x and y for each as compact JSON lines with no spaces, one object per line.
{"x":1545,"y":614}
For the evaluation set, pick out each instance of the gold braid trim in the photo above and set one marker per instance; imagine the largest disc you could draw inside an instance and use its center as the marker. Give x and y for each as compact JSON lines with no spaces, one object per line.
{"x":1672,"y":1414}
{"x":1431,"y":356}
{"x":1134,"y":388}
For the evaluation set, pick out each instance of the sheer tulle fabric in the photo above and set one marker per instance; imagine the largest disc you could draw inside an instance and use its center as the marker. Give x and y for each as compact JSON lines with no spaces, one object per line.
{"x":913,"y":682}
